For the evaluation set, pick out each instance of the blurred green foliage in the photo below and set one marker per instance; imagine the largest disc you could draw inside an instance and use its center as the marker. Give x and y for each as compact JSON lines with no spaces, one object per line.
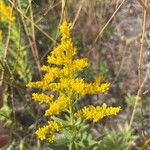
{"x":121,"y":139}
{"x":103,"y":68}
{"x":6,"y":110}
{"x":131,"y":100}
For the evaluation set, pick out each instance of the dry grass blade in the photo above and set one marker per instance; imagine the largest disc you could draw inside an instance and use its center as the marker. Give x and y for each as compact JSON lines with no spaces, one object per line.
{"x":77,"y":14}
{"x":33,"y":38}
{"x":144,"y":6}
{"x":104,"y":27}
{"x":140,"y":61}
{"x":46,"y":34}
{"x":46,"y":12}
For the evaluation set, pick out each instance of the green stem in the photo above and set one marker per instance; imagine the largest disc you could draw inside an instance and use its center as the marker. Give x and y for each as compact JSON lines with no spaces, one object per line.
{"x":71,"y":120}
{"x":70,"y":146}
{"x":71,"y":113}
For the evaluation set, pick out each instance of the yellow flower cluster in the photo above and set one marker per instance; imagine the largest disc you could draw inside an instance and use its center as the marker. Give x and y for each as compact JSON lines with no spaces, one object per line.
{"x":42,"y":98}
{"x":57,"y":106}
{"x":61,"y":76}
{"x":5,"y":13}
{"x":47,"y":132}
{"x":77,"y":86}
{"x":96,"y":113}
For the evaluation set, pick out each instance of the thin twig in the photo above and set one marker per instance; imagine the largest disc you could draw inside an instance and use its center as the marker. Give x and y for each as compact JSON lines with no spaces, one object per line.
{"x":28,"y":38}
{"x":77,"y":14}
{"x":46,"y":12}
{"x":140,"y":59}
{"x":144,"y":6}
{"x":138,"y":94}
{"x":24,"y":16}
{"x":104,"y":27}
{"x":33,"y":39}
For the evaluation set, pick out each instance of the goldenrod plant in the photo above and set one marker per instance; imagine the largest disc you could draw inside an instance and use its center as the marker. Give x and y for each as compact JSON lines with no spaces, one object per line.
{"x":61,"y":77}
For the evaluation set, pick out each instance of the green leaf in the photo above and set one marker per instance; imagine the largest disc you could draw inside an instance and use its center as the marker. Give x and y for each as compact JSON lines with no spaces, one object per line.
{"x":68,"y":135}
{"x":85,"y":135}
{"x":64,"y":147}
{"x":60,"y":144}
{"x":78,"y":122}
{"x":60,"y":121}
{"x":62,"y":141}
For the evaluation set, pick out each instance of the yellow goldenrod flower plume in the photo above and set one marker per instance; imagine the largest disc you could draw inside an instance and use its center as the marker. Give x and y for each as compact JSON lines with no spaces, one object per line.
{"x":61,"y":77}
